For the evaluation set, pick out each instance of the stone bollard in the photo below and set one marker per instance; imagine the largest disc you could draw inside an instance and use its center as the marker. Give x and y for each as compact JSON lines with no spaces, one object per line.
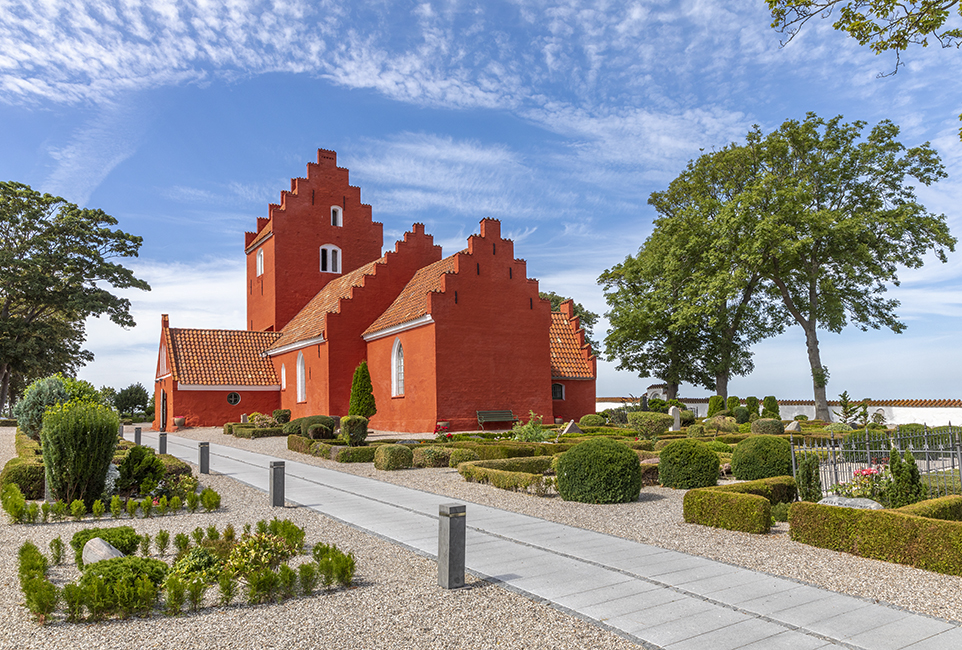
{"x":120,"y":429}
{"x":162,"y":443}
{"x":276,"y":483}
{"x":137,"y":436}
{"x":203,"y":450}
{"x":451,"y":530}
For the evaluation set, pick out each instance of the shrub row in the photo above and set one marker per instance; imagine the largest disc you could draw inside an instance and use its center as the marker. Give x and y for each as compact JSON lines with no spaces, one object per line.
{"x":947,"y":508}
{"x":510,"y":473}
{"x":254,"y":432}
{"x":887,"y":535}
{"x":745,"y":507}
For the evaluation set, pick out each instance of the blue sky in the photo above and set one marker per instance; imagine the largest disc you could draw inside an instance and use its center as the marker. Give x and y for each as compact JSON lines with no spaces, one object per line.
{"x":184,"y":120}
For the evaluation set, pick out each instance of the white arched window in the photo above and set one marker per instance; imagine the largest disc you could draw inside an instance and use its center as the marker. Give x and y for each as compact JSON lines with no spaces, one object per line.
{"x":330,"y":259}
{"x":397,"y":369}
{"x":337,"y":218}
{"x":283,"y":377}
{"x":260,"y":262}
{"x":301,"y":379}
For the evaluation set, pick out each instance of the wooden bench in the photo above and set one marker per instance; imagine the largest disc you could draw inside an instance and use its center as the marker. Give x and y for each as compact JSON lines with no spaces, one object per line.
{"x":495,"y":416}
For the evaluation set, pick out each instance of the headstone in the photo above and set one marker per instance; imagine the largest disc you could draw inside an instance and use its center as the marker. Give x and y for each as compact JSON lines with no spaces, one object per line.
{"x":451,"y":528}
{"x":97,"y":549}
{"x":243,"y":418}
{"x":675,"y":413}
{"x":793,"y":427}
{"x":650,"y":461}
{"x":571,"y":427}
{"x":846,"y":502}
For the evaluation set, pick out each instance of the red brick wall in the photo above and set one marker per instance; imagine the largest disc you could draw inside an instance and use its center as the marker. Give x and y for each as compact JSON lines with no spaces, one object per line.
{"x":209,"y":408}
{"x":416,"y":410}
{"x":579,"y":399}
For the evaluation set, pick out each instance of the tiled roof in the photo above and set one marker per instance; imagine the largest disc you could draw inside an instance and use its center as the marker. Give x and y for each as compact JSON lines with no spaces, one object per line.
{"x":262,"y":235}
{"x":567,"y":360}
{"x":411,"y":303}
{"x":311,"y":320}
{"x":920,"y":403}
{"x":220,"y":357}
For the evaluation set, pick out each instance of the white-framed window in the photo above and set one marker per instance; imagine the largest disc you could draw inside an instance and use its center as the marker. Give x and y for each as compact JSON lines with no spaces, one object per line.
{"x":260,"y":262}
{"x":337,"y":217}
{"x":330,"y":259}
{"x":397,"y":369}
{"x":283,"y":377}
{"x":301,"y":379}
{"x":557,"y":391}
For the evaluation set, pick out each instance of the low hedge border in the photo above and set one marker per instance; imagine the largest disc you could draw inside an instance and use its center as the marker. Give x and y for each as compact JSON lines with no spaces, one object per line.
{"x":254,"y":432}
{"x":946,"y":508}
{"x":888,"y":535}
{"x":515,"y":474}
{"x":300,"y":444}
{"x":229,"y":428}
{"x":744,"y":507}
{"x":511,"y":449}
{"x":354,"y":454}
{"x":27,"y":473}
{"x":8,"y":422}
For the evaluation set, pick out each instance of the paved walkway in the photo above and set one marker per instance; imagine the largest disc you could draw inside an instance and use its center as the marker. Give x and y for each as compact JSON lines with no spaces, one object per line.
{"x":653,"y":596}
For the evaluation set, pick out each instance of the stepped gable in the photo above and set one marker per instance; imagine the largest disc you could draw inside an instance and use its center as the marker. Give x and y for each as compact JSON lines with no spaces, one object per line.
{"x":220,"y":357}
{"x":310,"y":322}
{"x":571,"y":356}
{"x":412,"y":302}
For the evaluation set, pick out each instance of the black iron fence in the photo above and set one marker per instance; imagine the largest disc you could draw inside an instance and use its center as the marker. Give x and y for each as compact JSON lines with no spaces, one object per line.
{"x":937,"y":452}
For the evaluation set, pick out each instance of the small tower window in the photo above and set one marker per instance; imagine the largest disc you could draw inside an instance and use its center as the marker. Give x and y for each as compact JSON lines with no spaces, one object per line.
{"x":260,"y":262}
{"x":557,"y":391}
{"x":397,"y":369}
{"x":336,"y":216}
{"x":330,"y":259}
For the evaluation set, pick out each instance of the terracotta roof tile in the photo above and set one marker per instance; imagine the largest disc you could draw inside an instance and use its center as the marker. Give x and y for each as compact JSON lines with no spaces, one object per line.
{"x":411,"y":303}
{"x":220,"y":357}
{"x":311,"y":320}
{"x":567,"y":360}
{"x":262,"y":235}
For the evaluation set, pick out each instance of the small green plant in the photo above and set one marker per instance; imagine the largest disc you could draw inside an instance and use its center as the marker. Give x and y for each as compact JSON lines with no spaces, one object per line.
{"x":14,"y":503}
{"x":362,"y":394}
{"x":227,"y":585}
{"x":116,"y":507}
{"x":229,"y":535}
{"x":770,"y":408}
{"x":33,"y":513}
{"x":288,"y":531}
{"x":99,"y":597}
{"x":75,"y":600}
{"x":145,"y":596}
{"x":59,"y":510}
{"x":212,"y":533}
{"x":531,"y":431}
{"x":98,"y":509}
{"x":780,"y":512}
{"x":57,"y":549}
{"x":147,"y":507}
{"x":181,"y":542}
{"x":716,"y":403}
{"x":176,"y":504}
{"x":45,"y":512}
{"x":162,"y":541}
{"x":176,"y":592}
{"x":906,"y":487}
{"x":286,"y":582}
{"x":162,"y":505}
{"x":78,"y":509}
{"x":195,"y":593}
{"x":41,"y":597}
{"x":210,"y":500}
{"x":132,"y":507}
{"x":193,"y":500}
{"x":261,"y":586}
{"x":307,"y":578}
{"x":259,"y":551}
{"x":198,"y":535}
{"x":145,"y":544}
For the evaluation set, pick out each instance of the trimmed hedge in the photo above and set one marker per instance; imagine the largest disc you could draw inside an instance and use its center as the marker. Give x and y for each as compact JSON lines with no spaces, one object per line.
{"x":688,"y":463}
{"x":946,"y":508}
{"x":599,"y":471}
{"x":887,"y":535}
{"x":281,"y":416}
{"x":459,"y":456}
{"x":320,"y":432}
{"x":591,"y":420}
{"x":768,"y":427}
{"x":745,"y":507}
{"x":26,"y":446}
{"x":174,"y":467}
{"x":300,"y":444}
{"x":27,"y":473}
{"x":123,"y":538}
{"x":648,"y":423}
{"x":510,"y":448}
{"x":321,"y":450}
{"x":300,"y":426}
{"x":229,"y":428}
{"x":355,"y":454}
{"x":391,"y":457}
{"x":761,"y":457}
{"x":513,"y":474}
{"x":431,"y":456}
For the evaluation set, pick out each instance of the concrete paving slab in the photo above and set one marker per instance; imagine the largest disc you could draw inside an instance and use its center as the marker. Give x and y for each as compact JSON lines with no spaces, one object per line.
{"x":948,"y":640}
{"x":672,"y":620}
{"x":729,"y":637}
{"x":855,"y":621}
{"x":791,"y":640}
{"x":772,"y":603}
{"x":808,"y":613}
{"x":753,"y":590}
{"x":900,"y":633}
{"x":640,"y":596}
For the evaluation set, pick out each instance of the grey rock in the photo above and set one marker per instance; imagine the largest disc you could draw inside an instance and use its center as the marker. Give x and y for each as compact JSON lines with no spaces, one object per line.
{"x":650,"y":461}
{"x":97,"y":549}
{"x":793,"y":427}
{"x":571,"y":427}
{"x":846,"y":502}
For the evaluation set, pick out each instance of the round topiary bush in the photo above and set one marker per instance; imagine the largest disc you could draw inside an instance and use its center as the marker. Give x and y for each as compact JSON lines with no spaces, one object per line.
{"x":591,"y":420}
{"x":762,"y":457}
{"x":599,"y":471}
{"x":649,"y":423}
{"x":459,"y":456}
{"x":720,"y":424}
{"x":431,"y":456}
{"x":696,"y":430}
{"x":768,"y":427}
{"x":391,"y":457}
{"x":686,"y":464}
{"x":718,"y":445}
{"x":837,"y":427}
{"x":741,"y":414}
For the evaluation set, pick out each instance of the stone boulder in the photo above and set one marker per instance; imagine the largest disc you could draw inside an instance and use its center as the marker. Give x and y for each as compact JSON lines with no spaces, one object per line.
{"x":97,"y":549}
{"x":571,"y":427}
{"x":793,"y":427}
{"x":846,"y":502}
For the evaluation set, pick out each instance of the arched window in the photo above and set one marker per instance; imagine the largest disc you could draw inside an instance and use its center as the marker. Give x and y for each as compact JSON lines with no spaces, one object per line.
{"x":330,"y":259}
{"x":336,"y":217}
{"x":260,"y":262}
{"x":283,"y":377}
{"x":397,"y":369}
{"x":301,"y":379}
{"x":557,"y":391}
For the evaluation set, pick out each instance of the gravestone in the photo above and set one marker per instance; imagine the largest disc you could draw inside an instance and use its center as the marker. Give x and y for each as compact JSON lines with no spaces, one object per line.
{"x":793,"y":427}
{"x":243,"y":418}
{"x":675,"y":413}
{"x":846,"y":502}
{"x":97,"y":549}
{"x":571,"y":427}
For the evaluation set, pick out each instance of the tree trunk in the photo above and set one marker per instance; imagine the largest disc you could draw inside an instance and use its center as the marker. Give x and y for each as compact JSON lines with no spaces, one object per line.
{"x":671,"y":390}
{"x":818,"y":381}
{"x":721,"y":384}
{"x":4,"y":385}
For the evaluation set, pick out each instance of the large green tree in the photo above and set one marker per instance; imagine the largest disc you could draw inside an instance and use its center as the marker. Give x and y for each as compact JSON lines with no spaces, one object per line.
{"x":829,"y":219}
{"x":56,"y":269}
{"x":585,"y":317}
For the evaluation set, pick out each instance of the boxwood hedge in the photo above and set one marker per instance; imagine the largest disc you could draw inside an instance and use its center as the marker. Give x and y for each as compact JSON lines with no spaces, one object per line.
{"x":599,"y":471}
{"x":688,"y":463}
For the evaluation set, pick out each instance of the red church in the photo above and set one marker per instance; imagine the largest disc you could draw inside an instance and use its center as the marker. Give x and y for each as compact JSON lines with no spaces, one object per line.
{"x":444,"y":337}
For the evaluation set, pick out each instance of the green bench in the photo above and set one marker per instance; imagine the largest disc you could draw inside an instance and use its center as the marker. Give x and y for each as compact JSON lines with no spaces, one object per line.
{"x":495,"y":416}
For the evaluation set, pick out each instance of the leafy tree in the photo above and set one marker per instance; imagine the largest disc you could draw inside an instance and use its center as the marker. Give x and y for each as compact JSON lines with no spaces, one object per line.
{"x":588,"y":319}
{"x":55,"y":271}
{"x":133,"y":398}
{"x":108,"y":395}
{"x":832,"y":217}
{"x":39,"y":396}
{"x":362,"y":393}
{"x":882,"y":25}
{"x":78,"y":441}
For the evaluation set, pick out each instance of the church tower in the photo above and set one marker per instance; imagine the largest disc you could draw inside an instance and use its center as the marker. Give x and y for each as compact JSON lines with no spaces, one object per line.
{"x":319,"y":231}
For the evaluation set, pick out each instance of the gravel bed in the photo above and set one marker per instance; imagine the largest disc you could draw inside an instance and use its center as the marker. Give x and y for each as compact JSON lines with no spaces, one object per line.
{"x":656,"y":518}
{"x":395,"y":603}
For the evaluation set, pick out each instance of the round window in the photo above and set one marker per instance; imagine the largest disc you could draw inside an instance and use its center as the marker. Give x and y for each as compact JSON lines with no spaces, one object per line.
{"x":233,"y":399}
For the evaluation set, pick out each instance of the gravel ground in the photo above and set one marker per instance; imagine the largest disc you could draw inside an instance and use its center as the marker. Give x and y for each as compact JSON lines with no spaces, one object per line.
{"x":395,"y":603}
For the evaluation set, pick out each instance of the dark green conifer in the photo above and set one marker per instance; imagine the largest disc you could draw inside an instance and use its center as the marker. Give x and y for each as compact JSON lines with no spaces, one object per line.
{"x":362,"y":393}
